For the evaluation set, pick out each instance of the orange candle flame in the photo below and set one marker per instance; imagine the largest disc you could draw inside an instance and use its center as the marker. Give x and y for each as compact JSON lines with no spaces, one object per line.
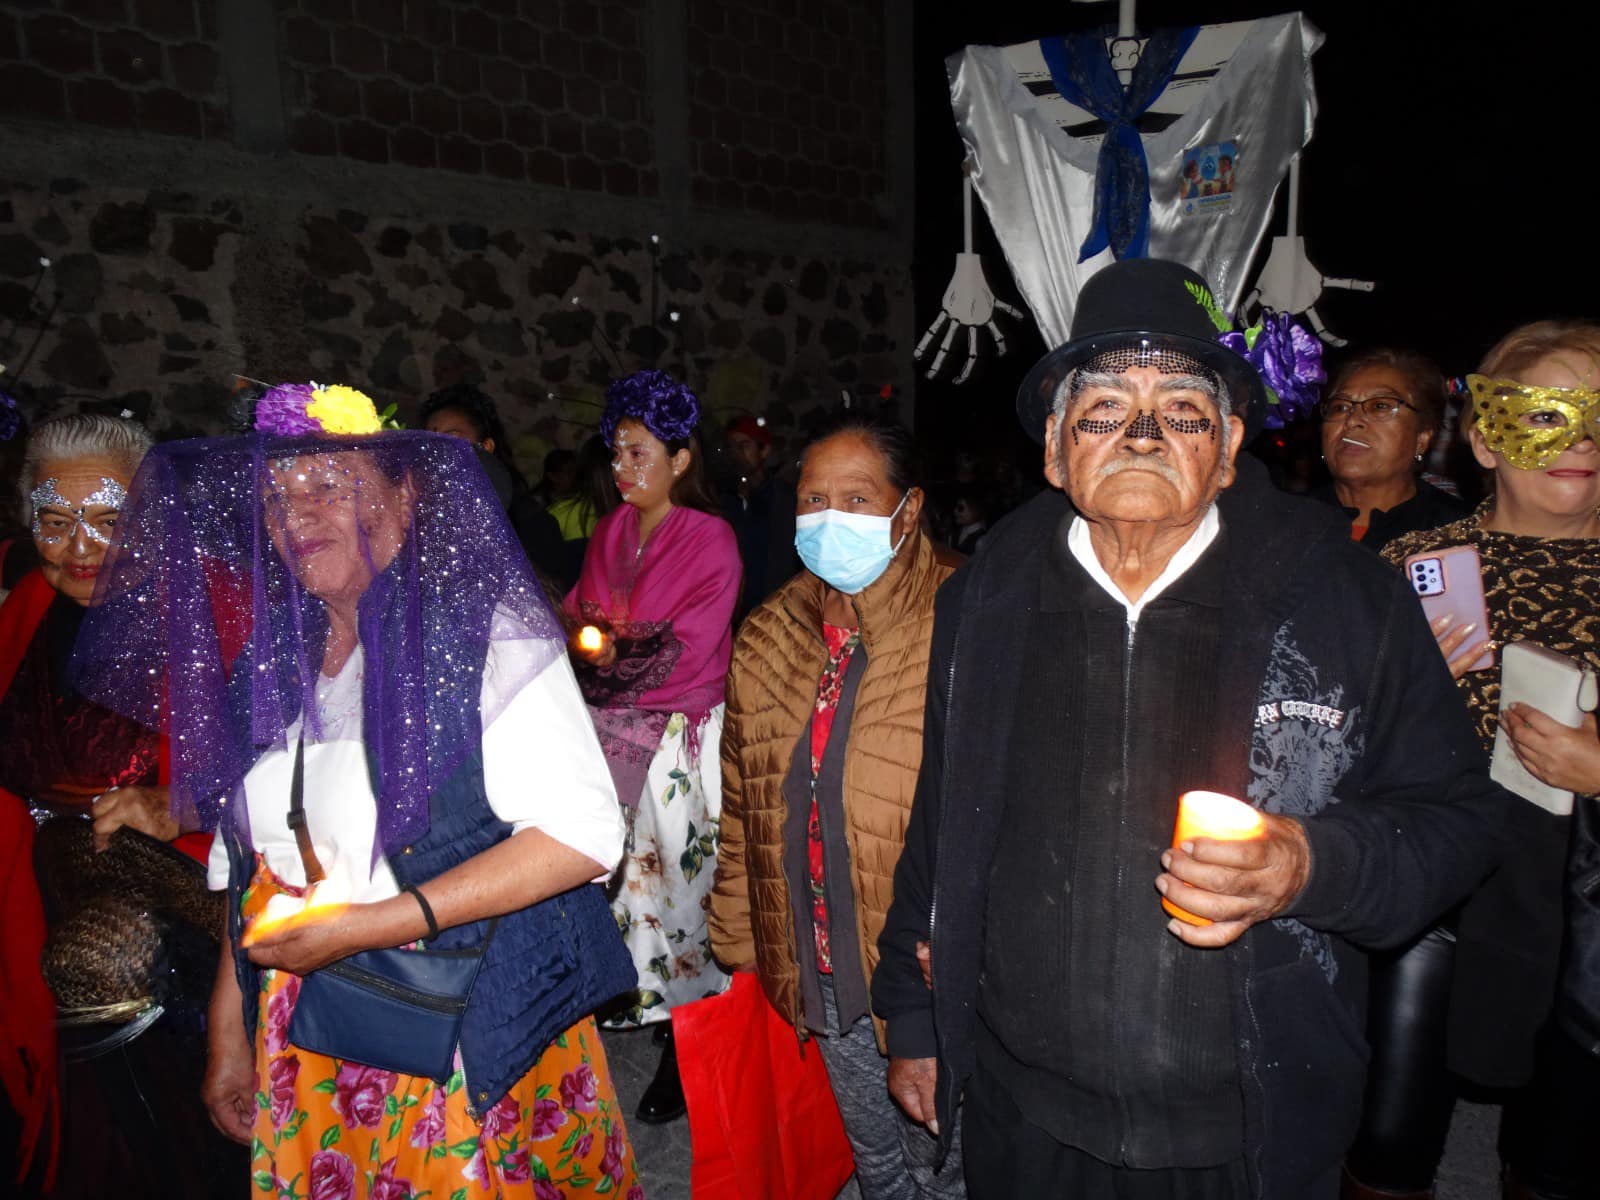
{"x":267,"y":924}
{"x":591,"y":639}
{"x":1211,"y":815}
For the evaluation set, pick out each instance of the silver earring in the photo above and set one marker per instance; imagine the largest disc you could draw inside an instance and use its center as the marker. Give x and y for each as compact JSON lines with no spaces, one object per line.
{"x":1419,"y":458}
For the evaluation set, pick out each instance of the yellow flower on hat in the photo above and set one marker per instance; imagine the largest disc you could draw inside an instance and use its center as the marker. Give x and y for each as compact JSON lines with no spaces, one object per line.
{"x":341,"y":409}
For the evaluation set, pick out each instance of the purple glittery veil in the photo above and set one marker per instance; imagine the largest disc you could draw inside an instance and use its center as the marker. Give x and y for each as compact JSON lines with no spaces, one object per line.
{"x":211,"y":629}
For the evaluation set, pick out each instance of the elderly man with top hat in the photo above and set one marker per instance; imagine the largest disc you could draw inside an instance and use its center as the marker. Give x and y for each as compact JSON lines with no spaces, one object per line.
{"x":1162,"y":622}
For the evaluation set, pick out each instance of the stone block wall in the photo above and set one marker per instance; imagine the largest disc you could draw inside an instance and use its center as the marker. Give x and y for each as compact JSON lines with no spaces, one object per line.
{"x":532,"y":195}
{"x":556,"y":94}
{"x":149,"y":65}
{"x":788,"y":106}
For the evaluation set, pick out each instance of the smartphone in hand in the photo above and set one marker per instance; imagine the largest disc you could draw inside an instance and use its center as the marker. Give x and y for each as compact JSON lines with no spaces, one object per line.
{"x":1450,"y":582}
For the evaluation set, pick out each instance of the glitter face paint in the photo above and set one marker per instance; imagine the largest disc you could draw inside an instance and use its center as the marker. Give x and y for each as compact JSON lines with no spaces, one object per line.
{"x":56,"y":521}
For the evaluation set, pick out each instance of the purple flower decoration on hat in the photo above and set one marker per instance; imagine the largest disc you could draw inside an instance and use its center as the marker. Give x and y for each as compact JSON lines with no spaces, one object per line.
{"x":1289,"y":360}
{"x":10,"y":418}
{"x":283,"y":411}
{"x":667,"y":408}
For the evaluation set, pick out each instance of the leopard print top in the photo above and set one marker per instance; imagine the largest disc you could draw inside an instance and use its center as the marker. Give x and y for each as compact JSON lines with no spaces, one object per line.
{"x":1544,"y":590}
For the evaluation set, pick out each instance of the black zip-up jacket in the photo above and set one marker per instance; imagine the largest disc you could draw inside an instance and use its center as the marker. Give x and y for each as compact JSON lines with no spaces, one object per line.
{"x":1333,"y":705}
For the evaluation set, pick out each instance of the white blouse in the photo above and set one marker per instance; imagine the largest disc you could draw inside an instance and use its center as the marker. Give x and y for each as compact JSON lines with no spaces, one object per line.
{"x":542,"y":769}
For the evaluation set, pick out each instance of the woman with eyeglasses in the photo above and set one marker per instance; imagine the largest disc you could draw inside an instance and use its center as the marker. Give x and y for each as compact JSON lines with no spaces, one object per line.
{"x":1379,"y":415}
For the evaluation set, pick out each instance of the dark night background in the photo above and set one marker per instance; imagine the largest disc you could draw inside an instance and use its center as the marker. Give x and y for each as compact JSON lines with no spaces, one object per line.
{"x":1449,"y":164}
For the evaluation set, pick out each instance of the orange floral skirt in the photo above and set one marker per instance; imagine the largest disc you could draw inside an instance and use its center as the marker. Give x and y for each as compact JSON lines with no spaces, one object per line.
{"x":333,"y":1130}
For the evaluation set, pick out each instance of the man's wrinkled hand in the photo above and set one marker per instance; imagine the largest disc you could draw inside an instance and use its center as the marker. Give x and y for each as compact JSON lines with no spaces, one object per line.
{"x":911,"y":1083}
{"x":1235,"y":884}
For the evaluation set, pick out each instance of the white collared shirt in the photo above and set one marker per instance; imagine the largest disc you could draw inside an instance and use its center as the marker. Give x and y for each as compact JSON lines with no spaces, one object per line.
{"x":1188,"y":554}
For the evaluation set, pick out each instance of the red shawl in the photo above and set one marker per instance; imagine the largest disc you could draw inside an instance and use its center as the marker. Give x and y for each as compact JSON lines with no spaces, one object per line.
{"x":27,"y":1009}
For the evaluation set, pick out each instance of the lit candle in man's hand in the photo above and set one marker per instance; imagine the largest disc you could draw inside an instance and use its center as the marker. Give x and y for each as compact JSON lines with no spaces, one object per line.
{"x":1211,"y":815}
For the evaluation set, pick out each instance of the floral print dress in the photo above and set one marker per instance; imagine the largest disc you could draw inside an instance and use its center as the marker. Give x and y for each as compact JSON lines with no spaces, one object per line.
{"x":333,"y":1130}
{"x":662,"y":890}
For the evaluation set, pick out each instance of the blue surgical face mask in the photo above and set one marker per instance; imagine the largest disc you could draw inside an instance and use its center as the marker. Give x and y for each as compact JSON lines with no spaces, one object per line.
{"x":848,"y":551}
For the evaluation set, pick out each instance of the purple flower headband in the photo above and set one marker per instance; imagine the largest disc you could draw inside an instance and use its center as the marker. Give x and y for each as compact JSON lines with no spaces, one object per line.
{"x":667,"y":408}
{"x":10,"y":418}
{"x":1288,"y":359}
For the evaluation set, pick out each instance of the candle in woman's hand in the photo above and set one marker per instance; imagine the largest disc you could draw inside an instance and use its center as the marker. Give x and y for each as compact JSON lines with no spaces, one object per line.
{"x":1211,"y":815}
{"x":591,"y":639}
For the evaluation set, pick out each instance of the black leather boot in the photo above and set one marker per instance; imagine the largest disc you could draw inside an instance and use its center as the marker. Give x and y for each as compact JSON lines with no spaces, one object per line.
{"x":663,"y":1099}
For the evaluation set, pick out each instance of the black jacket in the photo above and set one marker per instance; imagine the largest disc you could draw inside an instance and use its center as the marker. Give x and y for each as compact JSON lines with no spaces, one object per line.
{"x":1333,"y":705}
{"x":1429,"y":508}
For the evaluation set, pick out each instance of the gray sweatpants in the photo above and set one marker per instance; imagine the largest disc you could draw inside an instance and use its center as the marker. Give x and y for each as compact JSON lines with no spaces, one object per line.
{"x":894,"y":1155}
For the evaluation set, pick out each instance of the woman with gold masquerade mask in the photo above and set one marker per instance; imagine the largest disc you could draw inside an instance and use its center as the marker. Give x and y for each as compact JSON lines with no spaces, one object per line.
{"x":1477,"y":997}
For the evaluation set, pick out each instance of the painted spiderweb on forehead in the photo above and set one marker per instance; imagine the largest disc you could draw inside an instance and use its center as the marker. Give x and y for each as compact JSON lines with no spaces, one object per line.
{"x":209,"y":628}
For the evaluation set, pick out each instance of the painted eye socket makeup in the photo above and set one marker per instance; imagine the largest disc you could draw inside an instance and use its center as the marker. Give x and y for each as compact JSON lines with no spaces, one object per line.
{"x":53,"y":528}
{"x":1192,"y":426}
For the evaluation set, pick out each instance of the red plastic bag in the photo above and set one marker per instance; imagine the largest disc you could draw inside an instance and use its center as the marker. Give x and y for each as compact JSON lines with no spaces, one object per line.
{"x":763,"y":1123}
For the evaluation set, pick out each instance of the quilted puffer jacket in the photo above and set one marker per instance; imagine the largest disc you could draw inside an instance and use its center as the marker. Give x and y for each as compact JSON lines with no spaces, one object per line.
{"x":778,"y":659}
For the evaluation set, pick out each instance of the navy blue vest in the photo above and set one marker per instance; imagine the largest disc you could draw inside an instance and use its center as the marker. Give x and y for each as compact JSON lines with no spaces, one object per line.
{"x":546,"y":967}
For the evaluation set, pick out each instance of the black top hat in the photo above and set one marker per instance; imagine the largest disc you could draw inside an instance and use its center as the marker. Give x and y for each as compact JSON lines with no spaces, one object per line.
{"x":1150,"y":301}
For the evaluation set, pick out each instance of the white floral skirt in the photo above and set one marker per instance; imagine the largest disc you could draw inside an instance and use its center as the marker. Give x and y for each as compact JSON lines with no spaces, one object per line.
{"x":662,"y":889}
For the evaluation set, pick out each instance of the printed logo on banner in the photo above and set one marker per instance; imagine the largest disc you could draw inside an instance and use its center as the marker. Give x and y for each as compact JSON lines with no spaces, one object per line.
{"x":1206,"y":182}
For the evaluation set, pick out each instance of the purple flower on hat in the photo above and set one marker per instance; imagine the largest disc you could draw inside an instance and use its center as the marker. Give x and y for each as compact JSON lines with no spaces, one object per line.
{"x":283,"y":410}
{"x":667,"y":408}
{"x":1289,"y":361}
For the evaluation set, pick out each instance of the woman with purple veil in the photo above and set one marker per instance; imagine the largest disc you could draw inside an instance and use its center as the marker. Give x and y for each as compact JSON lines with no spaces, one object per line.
{"x":397,"y":758}
{"x":659,"y":584}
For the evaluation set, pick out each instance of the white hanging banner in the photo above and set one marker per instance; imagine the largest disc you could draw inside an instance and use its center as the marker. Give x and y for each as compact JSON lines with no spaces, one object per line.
{"x":1218,"y":139}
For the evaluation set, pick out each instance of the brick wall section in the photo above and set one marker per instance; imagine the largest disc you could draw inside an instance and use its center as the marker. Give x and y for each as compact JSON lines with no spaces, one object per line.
{"x":150,"y":65}
{"x":788,"y":108}
{"x":550,"y":92}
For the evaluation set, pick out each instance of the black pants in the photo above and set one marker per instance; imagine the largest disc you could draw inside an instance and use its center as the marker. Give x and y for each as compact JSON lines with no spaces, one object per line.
{"x":1007,"y":1156}
{"x":1547,"y":1129}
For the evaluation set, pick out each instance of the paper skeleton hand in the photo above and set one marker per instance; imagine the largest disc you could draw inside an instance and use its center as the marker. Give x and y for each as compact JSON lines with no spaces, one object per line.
{"x":1290,"y":283}
{"x":969,"y":303}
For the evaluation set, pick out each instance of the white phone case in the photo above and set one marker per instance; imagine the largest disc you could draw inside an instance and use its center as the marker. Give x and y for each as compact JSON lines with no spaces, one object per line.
{"x":1541,"y":678}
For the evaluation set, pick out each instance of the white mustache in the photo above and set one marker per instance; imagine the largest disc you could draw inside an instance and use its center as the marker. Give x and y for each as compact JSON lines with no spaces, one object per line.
{"x":1140,"y":463}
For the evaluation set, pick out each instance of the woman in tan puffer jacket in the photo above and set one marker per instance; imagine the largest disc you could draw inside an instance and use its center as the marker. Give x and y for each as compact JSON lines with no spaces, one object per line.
{"x":820,"y":749}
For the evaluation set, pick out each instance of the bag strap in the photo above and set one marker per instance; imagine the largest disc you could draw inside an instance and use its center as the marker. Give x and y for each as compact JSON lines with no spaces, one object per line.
{"x":297,"y":816}
{"x":308,"y":852}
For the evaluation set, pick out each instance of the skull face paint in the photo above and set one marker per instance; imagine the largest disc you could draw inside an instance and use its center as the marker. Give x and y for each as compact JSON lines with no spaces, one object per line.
{"x":1142,"y":444}
{"x":1144,"y":425}
{"x":641,"y":465}
{"x":75,"y":504}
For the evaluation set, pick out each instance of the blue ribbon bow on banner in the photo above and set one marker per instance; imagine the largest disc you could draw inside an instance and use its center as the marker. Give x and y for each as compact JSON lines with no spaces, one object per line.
{"x":1080,"y":67}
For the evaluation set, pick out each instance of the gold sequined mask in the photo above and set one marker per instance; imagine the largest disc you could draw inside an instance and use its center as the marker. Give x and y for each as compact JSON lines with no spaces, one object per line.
{"x":1531,"y":426}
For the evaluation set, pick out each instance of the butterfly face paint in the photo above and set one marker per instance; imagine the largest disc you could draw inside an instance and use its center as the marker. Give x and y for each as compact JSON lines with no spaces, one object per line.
{"x":1530,"y":427}
{"x":56,"y":521}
